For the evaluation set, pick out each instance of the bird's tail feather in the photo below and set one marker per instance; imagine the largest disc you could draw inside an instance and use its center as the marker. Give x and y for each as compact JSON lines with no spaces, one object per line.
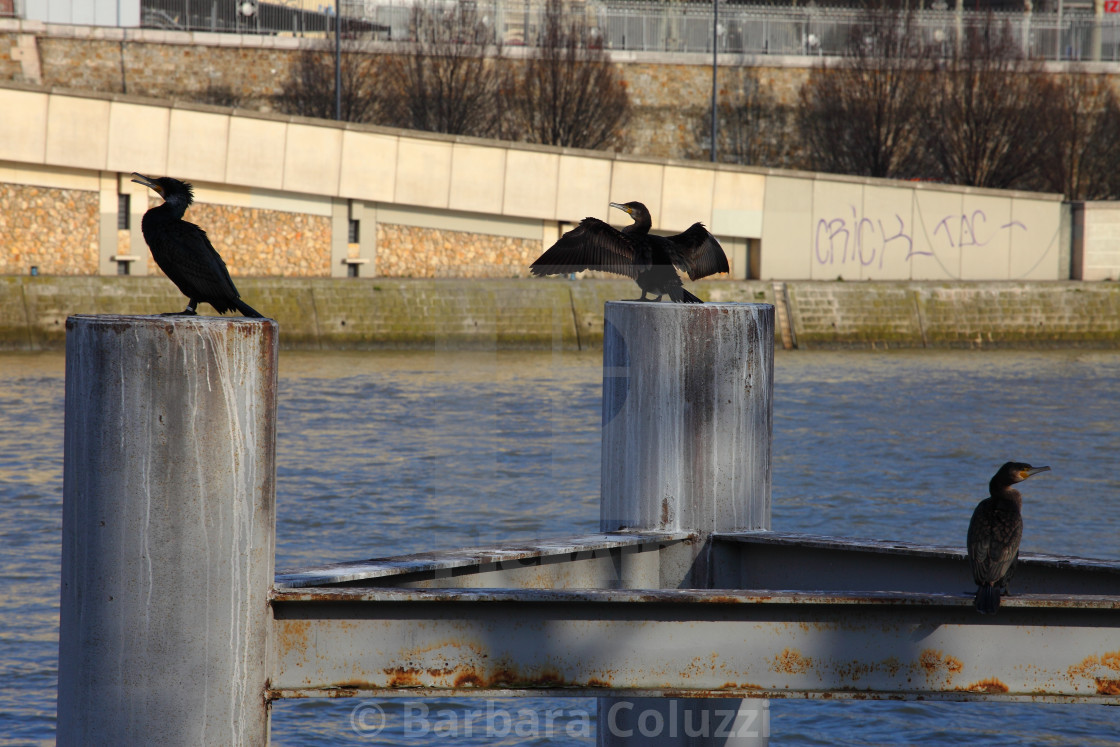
{"x":247,"y":310}
{"x":987,"y":599}
{"x":680,"y":295}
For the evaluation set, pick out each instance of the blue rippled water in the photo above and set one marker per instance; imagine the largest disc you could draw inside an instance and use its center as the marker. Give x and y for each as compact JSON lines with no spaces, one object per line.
{"x":385,"y":453}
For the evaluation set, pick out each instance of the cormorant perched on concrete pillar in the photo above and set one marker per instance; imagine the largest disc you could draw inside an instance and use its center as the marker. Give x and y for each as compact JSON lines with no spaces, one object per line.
{"x":649,"y":259}
{"x":994,"y":534}
{"x":183,"y":252}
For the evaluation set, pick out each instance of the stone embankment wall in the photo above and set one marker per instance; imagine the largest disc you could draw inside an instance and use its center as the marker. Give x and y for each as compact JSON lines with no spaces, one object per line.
{"x":962,"y":315}
{"x":253,"y":241}
{"x":54,"y":230}
{"x":559,"y":314}
{"x":415,"y":252}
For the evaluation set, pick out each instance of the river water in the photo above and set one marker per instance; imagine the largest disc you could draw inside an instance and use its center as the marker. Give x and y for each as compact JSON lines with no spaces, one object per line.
{"x":387,"y":453}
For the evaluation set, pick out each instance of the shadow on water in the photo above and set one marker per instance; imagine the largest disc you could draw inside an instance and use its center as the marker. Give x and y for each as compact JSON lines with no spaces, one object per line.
{"x":386,"y":453}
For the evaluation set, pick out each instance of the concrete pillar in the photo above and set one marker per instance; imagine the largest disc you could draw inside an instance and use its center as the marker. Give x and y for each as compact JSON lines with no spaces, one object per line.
{"x":340,"y":236}
{"x":107,"y":223}
{"x":687,"y":423}
{"x":168,"y":530}
{"x":687,"y":416}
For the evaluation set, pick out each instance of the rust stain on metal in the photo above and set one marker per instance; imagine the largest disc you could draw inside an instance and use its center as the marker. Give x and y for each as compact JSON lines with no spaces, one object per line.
{"x":403,"y":677}
{"x":738,"y":686}
{"x":1107,"y":686}
{"x":596,"y":682}
{"x":790,"y":661}
{"x":343,"y":691}
{"x":469,"y":679}
{"x":934,"y":662}
{"x":990,"y":685}
{"x":1098,"y":669}
{"x":294,"y":635}
{"x":666,"y":512}
{"x":854,"y":670}
{"x":507,"y":677}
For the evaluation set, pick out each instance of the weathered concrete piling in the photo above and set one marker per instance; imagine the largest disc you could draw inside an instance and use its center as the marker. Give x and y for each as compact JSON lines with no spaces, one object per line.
{"x":687,"y":417}
{"x":168,"y":530}
{"x":687,"y":424}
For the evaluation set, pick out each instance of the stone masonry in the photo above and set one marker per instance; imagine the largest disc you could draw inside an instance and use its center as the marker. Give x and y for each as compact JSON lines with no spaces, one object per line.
{"x":54,"y":230}
{"x":408,"y":251}
{"x":253,"y":241}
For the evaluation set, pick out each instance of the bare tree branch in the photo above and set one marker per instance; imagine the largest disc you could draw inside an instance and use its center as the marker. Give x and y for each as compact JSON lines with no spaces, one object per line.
{"x":571,"y":95}
{"x":310,"y":91}
{"x":1083,"y":158}
{"x":752,"y":124}
{"x":862,"y":116}
{"x":451,"y":78}
{"x":991,"y":113}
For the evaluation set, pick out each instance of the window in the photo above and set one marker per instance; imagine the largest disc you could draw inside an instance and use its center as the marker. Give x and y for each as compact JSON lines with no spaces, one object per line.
{"x":124,"y":203}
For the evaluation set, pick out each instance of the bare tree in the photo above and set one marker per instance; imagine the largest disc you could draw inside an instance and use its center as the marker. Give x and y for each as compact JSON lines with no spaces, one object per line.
{"x":752,"y":124}
{"x":571,"y":95}
{"x":450,"y":77}
{"x":310,"y":91}
{"x":1083,"y":157}
{"x":862,"y":115}
{"x":990,"y":114}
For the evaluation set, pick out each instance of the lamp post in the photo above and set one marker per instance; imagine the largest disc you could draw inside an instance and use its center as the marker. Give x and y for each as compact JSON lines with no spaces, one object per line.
{"x":715,"y":68}
{"x":338,"y":60}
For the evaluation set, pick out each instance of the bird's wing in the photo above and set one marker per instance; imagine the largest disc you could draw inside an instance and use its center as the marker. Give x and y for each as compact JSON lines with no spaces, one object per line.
{"x":697,"y":252}
{"x":592,"y":245}
{"x":188,"y":258}
{"x":993,"y":542}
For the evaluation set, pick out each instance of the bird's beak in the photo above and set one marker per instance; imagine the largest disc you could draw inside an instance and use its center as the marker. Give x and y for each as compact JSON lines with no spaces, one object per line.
{"x":621,"y":207}
{"x":1033,"y":471}
{"x":141,"y":179}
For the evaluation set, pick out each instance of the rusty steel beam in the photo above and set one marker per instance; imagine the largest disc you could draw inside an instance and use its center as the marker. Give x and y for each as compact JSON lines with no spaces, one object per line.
{"x":610,"y":560}
{"x":693,"y":643}
{"x":780,"y":560}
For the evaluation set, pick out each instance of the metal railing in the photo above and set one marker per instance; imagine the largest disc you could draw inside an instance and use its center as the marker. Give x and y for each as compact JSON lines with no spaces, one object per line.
{"x":646,"y":26}
{"x":759,"y":30}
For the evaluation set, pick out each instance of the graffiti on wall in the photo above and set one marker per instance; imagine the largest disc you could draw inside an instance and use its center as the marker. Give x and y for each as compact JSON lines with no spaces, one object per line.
{"x":870,"y":239}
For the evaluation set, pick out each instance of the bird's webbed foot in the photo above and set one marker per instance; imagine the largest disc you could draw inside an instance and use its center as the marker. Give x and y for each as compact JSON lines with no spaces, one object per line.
{"x":185,"y":312}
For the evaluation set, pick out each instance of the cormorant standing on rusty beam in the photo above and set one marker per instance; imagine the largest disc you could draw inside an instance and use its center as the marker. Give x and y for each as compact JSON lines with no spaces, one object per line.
{"x":183,"y":252}
{"x":650,"y":260}
{"x":994,"y":534}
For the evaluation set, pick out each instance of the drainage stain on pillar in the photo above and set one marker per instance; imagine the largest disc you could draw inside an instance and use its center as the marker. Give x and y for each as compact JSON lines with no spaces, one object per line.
{"x":616,"y":372}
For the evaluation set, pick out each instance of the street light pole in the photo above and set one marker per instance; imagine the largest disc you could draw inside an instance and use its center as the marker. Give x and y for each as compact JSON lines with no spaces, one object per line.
{"x":715,"y":55}
{"x":338,"y":60}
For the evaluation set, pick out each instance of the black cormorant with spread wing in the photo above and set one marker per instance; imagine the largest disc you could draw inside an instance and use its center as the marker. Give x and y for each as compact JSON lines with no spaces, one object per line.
{"x":183,"y":252}
{"x":649,"y":259}
{"x":994,"y":534}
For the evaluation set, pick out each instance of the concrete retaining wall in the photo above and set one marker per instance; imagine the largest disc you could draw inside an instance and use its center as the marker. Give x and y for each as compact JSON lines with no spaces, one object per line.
{"x":320,"y":313}
{"x":955,"y":314}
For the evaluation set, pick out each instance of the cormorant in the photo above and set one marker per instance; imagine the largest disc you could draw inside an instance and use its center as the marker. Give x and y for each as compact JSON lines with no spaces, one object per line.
{"x":183,"y":252}
{"x":634,"y":252}
{"x":994,"y":534}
